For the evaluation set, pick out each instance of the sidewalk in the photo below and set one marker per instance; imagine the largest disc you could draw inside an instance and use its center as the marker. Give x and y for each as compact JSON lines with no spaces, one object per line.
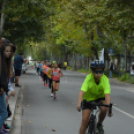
{"x":12,"y":103}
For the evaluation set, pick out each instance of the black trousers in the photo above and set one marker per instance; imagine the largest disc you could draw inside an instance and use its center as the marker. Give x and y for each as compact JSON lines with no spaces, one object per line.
{"x":41,"y":74}
{"x":38,"y":70}
{"x":45,"y":78}
{"x":51,"y":85}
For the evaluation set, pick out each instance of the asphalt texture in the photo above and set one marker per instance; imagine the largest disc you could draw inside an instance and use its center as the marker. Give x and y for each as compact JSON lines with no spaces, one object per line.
{"x":43,"y":115}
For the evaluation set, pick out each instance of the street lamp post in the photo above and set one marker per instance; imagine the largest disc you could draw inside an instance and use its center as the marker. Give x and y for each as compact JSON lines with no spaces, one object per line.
{"x":125,"y":46}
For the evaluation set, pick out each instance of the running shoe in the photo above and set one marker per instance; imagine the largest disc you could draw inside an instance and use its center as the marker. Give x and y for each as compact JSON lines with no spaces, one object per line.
{"x":6,"y":126}
{"x":17,"y":85}
{"x":100,"y":129}
{"x":52,"y":95}
{"x":44,"y":83}
{"x":4,"y":130}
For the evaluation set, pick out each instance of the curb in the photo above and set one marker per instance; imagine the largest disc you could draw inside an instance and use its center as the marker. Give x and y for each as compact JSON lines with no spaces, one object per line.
{"x":13,"y":104}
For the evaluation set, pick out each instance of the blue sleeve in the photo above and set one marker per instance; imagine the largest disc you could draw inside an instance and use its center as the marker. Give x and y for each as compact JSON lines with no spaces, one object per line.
{"x":22,"y":60}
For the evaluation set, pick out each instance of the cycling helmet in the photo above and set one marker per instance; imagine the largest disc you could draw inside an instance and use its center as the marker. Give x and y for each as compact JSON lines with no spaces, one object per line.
{"x":97,"y":64}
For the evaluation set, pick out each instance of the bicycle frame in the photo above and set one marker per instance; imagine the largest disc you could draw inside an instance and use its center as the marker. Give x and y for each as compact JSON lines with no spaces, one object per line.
{"x":94,"y":110}
{"x":92,"y":120}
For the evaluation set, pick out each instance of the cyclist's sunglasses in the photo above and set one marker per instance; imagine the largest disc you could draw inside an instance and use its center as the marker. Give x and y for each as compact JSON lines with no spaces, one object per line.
{"x":100,"y":72}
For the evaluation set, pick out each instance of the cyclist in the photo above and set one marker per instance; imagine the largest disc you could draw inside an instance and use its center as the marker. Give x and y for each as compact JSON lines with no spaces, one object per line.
{"x":96,"y":87}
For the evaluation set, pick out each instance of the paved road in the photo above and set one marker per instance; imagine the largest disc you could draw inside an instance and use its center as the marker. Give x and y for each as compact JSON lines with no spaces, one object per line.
{"x":45,"y":114}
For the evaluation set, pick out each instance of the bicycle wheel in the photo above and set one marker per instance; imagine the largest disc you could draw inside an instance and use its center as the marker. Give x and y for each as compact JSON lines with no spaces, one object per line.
{"x":92,"y":126}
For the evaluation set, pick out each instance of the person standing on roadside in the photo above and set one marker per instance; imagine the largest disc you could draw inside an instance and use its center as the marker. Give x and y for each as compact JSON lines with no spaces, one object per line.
{"x":111,"y":69}
{"x":65,"y":65}
{"x":12,"y":63}
{"x":3,"y":83}
{"x":18,"y":61}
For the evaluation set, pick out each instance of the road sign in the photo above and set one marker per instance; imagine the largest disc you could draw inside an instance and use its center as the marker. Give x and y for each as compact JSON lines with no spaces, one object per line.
{"x":111,"y":51}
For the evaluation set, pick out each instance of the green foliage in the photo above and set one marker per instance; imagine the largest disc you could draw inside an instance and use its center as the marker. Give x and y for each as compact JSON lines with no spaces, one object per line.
{"x":77,"y":26}
{"x":131,"y":80}
{"x":124,"y":77}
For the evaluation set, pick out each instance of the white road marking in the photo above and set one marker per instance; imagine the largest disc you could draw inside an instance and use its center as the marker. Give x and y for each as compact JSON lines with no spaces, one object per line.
{"x":132,"y":91}
{"x":129,"y":115}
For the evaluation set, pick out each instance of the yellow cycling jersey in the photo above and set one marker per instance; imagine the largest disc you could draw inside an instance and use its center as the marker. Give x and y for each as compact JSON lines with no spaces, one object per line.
{"x":94,"y":91}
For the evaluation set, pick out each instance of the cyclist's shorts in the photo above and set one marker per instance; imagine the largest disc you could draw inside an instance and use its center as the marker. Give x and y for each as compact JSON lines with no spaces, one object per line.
{"x":86,"y":106}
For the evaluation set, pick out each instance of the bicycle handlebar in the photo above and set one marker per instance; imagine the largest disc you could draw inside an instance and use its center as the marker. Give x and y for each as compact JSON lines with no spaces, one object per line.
{"x":99,"y":104}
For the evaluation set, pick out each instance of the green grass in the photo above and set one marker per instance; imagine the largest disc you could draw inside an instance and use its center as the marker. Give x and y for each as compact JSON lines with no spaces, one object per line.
{"x":68,"y":67}
{"x":83,"y":71}
{"x":124,"y":77}
{"x":131,"y":80}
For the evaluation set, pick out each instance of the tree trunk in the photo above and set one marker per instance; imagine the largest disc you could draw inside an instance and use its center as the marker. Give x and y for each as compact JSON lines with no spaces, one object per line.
{"x":92,"y":39}
{"x":118,"y":62}
{"x":2,"y":18}
{"x":100,"y":35}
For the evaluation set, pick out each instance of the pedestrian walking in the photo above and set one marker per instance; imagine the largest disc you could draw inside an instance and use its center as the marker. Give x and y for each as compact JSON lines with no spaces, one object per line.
{"x":56,"y":74}
{"x":18,"y":61}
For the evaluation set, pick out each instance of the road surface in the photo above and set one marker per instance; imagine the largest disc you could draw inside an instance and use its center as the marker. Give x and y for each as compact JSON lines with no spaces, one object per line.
{"x":43,"y":115}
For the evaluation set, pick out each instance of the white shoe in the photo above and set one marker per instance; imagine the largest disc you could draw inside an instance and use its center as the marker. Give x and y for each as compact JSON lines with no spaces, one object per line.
{"x":52,"y":95}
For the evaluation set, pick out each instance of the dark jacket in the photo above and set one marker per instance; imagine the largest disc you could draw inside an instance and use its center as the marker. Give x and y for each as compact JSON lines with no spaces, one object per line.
{"x":3,"y":77}
{"x":112,"y":67}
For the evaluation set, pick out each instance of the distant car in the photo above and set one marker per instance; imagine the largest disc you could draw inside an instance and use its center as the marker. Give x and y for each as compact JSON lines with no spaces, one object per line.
{"x":24,"y":68}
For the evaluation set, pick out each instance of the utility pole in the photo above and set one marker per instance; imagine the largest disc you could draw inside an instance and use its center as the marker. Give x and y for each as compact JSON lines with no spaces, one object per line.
{"x":2,"y":21}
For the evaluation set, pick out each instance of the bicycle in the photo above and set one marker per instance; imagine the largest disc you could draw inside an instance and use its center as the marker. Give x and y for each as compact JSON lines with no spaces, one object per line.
{"x":92,"y":125}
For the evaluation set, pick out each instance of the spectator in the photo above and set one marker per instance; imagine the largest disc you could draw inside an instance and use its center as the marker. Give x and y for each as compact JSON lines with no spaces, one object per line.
{"x":12,"y":63}
{"x":132,"y":70}
{"x":18,"y":61}
{"x":111,"y":69}
{"x":7,"y":56}
{"x":65,"y":65}
{"x":3,"y":80}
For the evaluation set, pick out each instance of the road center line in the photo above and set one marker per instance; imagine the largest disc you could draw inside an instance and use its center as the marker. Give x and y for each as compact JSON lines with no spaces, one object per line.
{"x":129,"y":115}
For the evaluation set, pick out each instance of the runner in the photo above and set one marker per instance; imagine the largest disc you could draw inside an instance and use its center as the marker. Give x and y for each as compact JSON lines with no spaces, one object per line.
{"x":56,"y":74}
{"x":45,"y":68}
{"x":37,"y":67}
{"x":96,"y":87}
{"x":50,"y":79}
{"x":40,"y":68}
{"x":45,"y":72}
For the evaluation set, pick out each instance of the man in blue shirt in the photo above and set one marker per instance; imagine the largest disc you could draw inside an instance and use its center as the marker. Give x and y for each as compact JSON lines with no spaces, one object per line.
{"x":18,"y":61}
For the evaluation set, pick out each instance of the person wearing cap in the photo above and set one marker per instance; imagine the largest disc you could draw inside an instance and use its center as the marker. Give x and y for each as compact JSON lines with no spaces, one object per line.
{"x":96,"y":87}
